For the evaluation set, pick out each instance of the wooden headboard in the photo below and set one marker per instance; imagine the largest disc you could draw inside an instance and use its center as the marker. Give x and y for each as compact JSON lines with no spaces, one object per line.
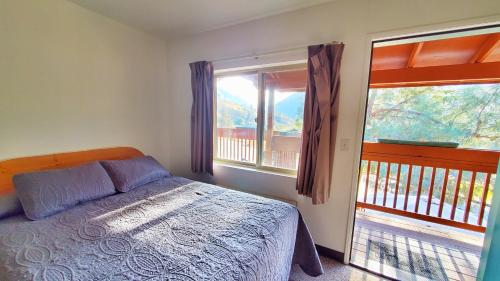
{"x":9,"y":168}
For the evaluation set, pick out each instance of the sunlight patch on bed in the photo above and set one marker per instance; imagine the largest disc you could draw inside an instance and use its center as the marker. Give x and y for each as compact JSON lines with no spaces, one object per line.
{"x":137,"y":215}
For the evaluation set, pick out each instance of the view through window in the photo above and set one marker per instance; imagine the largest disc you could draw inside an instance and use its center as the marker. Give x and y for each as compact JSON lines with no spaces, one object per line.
{"x":237,"y":98}
{"x":259,"y":117}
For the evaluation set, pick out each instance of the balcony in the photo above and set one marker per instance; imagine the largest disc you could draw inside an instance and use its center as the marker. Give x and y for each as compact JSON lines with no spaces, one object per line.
{"x":448,"y":186}
{"x":429,"y":204}
{"x":240,"y":145}
{"x":409,"y":249}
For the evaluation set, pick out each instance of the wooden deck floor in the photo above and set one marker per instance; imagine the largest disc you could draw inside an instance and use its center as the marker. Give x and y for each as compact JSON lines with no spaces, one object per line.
{"x":407,"y":249}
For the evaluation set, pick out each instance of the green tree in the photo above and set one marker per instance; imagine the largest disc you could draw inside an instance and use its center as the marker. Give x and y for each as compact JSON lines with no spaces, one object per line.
{"x":467,"y":114}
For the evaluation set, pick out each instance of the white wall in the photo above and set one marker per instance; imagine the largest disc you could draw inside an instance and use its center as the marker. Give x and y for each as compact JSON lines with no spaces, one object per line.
{"x":347,"y":21}
{"x":72,"y":79}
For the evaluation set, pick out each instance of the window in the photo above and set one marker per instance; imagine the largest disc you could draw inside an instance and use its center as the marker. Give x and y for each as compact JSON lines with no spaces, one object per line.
{"x":259,"y":117}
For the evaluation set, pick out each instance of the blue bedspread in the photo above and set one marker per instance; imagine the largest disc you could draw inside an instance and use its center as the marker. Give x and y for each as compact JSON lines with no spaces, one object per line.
{"x":173,"y":229}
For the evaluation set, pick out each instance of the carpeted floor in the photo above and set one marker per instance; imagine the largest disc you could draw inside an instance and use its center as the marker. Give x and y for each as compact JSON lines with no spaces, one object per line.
{"x":334,"y":271}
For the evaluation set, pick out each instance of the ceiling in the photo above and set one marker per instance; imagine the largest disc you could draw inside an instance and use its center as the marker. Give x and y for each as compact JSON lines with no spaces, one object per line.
{"x":461,"y":50}
{"x":169,"y":18}
{"x":459,"y":60}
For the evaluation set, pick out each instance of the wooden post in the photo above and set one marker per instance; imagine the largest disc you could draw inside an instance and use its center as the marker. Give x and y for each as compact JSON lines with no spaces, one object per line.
{"x":268,"y":135}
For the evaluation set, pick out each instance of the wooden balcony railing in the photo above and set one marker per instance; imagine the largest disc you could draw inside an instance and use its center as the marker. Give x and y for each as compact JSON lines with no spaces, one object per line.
{"x":449,"y":186}
{"x":237,"y":144}
{"x":237,"y":149}
{"x":240,"y":144}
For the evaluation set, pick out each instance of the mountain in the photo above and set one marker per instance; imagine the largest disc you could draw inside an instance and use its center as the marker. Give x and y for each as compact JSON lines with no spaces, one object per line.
{"x":234,"y":111}
{"x":292,"y":106}
{"x":228,"y":96}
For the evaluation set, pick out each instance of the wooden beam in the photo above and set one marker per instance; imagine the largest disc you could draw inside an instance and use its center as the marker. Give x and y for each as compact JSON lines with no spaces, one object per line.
{"x":293,"y":80}
{"x":486,"y":48}
{"x":417,"y":47}
{"x":481,"y":161}
{"x":436,"y":75}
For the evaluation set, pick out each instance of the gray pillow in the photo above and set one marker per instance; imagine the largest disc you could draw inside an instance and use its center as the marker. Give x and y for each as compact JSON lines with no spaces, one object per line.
{"x":10,"y":205}
{"x":48,"y":192}
{"x":131,"y":173}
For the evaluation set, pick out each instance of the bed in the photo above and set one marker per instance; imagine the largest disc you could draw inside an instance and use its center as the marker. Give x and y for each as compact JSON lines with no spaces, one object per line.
{"x":170,"y":229}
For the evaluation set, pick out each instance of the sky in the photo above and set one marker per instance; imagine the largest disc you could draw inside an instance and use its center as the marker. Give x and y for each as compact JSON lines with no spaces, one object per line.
{"x":246,"y":88}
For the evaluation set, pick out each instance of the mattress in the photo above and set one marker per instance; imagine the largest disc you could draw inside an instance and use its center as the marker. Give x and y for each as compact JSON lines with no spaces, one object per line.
{"x":172,"y":229}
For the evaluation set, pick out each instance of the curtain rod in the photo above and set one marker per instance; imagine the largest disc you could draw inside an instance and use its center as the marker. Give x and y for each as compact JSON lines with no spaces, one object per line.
{"x":268,"y":53}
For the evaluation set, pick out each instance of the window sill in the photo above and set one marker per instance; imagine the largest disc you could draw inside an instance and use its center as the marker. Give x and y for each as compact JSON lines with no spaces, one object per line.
{"x":269,"y":171}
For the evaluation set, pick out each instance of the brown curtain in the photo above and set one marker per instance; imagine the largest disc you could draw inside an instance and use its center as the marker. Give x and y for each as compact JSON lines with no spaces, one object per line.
{"x":320,"y":121}
{"x":202,"y":75}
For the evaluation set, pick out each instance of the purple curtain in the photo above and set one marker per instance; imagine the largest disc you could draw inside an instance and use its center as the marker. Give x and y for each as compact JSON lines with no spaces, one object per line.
{"x":202,"y":76}
{"x":320,"y":121}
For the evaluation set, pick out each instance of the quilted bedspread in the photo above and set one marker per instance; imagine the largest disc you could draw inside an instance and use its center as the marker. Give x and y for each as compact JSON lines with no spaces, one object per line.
{"x":173,"y":229}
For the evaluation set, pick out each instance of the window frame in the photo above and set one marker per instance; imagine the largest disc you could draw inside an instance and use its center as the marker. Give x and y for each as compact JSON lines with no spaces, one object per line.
{"x":261,"y":107}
